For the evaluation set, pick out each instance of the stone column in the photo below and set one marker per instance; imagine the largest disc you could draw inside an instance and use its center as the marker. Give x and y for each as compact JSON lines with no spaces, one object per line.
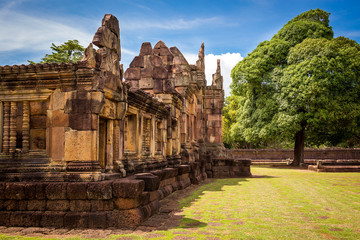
{"x":13,"y":111}
{"x":25,"y":127}
{"x":109,"y":145}
{"x":153,"y":130}
{"x":6,"y":131}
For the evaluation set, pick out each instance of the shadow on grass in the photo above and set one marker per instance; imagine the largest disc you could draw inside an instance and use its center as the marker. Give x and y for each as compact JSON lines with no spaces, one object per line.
{"x":191,"y":223}
{"x":176,"y":219}
{"x":262,"y":176}
{"x":214,"y":185}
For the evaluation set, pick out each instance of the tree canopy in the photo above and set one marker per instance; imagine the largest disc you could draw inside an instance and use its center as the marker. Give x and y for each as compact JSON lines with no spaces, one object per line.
{"x":70,"y":51}
{"x":302,"y":85}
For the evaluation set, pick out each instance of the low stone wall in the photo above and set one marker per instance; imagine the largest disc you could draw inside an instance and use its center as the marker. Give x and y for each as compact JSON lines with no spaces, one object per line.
{"x":224,"y":168}
{"x":122,"y":203}
{"x":283,"y":154}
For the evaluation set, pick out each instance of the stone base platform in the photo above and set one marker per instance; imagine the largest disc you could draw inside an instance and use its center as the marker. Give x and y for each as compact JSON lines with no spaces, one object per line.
{"x":226,"y":167}
{"x":123,"y":203}
{"x":335,"y":168}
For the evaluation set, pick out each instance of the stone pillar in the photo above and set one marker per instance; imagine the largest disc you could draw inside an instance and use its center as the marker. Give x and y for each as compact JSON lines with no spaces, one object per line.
{"x":6,"y":131}
{"x":109,"y":145}
{"x":25,"y":127}
{"x":153,"y":140}
{"x":13,"y":111}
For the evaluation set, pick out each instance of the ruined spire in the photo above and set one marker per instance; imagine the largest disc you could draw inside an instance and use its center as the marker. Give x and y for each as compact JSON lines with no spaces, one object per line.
{"x":217,"y":80}
{"x":200,"y":63}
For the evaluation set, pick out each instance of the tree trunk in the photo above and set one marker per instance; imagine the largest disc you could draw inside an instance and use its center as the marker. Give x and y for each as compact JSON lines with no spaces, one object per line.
{"x":299,"y":147}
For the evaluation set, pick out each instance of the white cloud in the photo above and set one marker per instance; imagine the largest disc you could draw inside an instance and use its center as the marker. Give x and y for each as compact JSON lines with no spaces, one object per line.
{"x":175,"y":24}
{"x":227,"y":63}
{"x":22,"y":32}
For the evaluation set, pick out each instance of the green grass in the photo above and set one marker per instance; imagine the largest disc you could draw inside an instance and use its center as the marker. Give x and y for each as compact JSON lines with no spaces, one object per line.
{"x":278,"y":204}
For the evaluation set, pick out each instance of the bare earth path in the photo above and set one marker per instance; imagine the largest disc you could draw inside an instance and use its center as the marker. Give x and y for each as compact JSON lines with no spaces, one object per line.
{"x":277,"y":203}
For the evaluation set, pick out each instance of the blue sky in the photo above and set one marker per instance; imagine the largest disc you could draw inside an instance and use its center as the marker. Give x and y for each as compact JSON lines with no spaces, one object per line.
{"x":229,"y":29}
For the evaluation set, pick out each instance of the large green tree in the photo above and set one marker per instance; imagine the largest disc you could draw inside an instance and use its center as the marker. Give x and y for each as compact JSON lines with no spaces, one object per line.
{"x":70,"y":51}
{"x":302,"y":86}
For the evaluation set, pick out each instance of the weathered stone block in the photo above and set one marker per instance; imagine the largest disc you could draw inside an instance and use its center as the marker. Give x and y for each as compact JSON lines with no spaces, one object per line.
{"x":80,"y":145}
{"x":36,"y":205}
{"x":37,"y":138}
{"x":38,"y":108}
{"x":5,"y":218}
{"x":97,"y":219}
{"x":80,"y":205}
{"x":126,"y":203}
{"x":138,"y":61}
{"x":52,"y":219}
{"x":56,"y":191}
{"x":146,"y":72}
{"x":2,"y":190}
{"x":77,"y":190}
{"x":167,"y":190}
{"x":132,"y":74}
{"x":128,"y":188}
{"x":38,"y":121}
{"x":146,"y":49}
{"x":34,"y":190}
{"x":154,"y":206}
{"x":144,"y":198}
{"x":184,"y":169}
{"x":146,"y":83}
{"x":75,"y":220}
{"x":160,"y":194}
{"x":159,"y":173}
{"x":109,"y":61}
{"x":168,"y":181}
{"x":158,"y":86}
{"x":170,"y":172}
{"x":159,"y":73}
{"x":104,"y":37}
{"x":151,"y":182}
{"x":146,"y":211}
{"x":99,"y":190}
{"x":153,"y":195}
{"x":131,"y":217}
{"x":15,"y":191}
{"x":58,"y":100}
{"x":111,"y":22}
{"x":15,"y":205}
{"x":57,"y":205}
{"x":102,"y":205}
{"x":60,"y":119}
{"x":57,"y":143}
{"x":156,"y":61}
{"x":25,"y":219}
{"x":81,"y":121}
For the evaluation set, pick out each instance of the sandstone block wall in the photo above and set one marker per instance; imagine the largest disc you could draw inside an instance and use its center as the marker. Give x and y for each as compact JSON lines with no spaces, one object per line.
{"x":123,"y":202}
{"x":283,"y":154}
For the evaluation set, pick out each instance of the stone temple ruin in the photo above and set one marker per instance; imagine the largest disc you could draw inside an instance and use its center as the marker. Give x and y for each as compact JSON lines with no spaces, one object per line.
{"x":80,"y":147}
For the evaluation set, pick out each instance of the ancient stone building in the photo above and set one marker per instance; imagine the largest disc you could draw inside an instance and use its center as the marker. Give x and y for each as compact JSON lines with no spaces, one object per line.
{"x":79,"y":144}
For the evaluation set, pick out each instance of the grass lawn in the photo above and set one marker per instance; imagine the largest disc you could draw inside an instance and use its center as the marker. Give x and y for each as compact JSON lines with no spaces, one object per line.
{"x":277,"y":203}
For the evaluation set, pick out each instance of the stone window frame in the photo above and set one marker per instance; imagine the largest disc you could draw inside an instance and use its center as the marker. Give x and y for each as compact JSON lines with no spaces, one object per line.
{"x":24,"y":96}
{"x":135,"y":121}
